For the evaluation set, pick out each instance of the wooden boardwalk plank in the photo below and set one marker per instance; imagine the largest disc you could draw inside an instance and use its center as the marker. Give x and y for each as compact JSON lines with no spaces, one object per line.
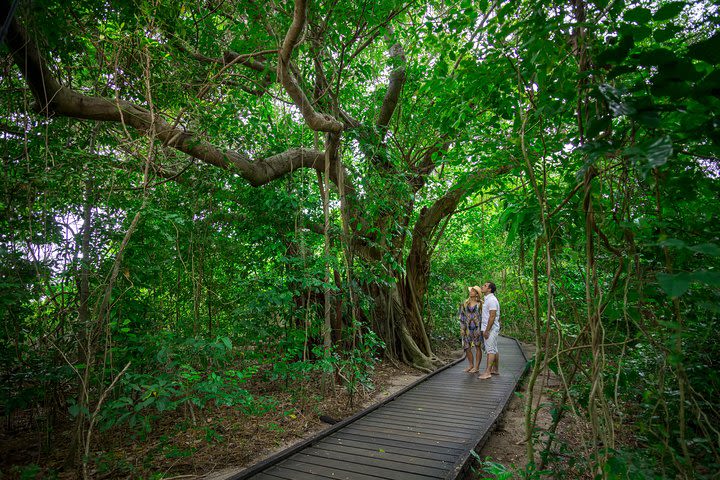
{"x":424,"y":432}
{"x":407,"y":434}
{"x":372,"y":441}
{"x":417,"y":427}
{"x":413,"y":456}
{"x":453,"y":423}
{"x":383,"y":460}
{"x":320,"y":465}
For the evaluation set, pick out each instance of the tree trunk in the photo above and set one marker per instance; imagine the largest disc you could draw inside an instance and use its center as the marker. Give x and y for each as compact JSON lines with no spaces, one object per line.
{"x":402,"y":331}
{"x":398,"y":318}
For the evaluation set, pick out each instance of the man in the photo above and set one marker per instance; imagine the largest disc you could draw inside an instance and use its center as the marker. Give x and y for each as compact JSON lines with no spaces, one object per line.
{"x":490,"y":326}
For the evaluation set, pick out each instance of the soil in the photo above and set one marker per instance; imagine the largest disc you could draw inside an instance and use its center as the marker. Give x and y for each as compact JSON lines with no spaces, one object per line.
{"x":388,"y":380}
{"x":507,"y":445}
{"x":211,"y":443}
{"x":215,"y":443}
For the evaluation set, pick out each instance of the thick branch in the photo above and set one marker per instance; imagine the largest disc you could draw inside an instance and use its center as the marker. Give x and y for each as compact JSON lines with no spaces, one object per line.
{"x":55,"y":99}
{"x":315,"y":120}
{"x":247,"y":60}
{"x":425,"y":166}
{"x":445,"y":205}
{"x":395,"y":84}
{"x":418,"y":260}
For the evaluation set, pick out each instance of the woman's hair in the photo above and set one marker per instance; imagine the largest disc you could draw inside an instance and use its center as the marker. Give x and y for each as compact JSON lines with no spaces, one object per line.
{"x":467,"y":300}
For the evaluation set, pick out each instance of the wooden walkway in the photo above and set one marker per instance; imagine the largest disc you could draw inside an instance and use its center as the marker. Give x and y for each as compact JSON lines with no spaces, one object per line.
{"x":425,"y":431}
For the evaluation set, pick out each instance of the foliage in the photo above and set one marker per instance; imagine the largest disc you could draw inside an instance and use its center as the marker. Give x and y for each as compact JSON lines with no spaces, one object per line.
{"x":578,"y":142}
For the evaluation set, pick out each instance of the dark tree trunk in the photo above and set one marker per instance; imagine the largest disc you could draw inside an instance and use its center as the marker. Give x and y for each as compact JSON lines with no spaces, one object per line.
{"x":398,"y":318}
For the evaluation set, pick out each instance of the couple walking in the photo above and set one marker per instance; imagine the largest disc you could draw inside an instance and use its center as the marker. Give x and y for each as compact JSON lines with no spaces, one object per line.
{"x":480,"y":327}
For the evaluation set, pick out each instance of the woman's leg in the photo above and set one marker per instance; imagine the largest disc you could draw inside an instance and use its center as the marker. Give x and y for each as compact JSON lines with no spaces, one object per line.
{"x":471,"y":361}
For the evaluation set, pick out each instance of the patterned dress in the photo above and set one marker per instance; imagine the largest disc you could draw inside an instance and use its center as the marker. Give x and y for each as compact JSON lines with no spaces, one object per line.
{"x":470,"y":325}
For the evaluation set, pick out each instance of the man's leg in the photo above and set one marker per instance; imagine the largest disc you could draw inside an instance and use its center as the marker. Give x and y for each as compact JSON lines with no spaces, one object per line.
{"x":495,"y":370}
{"x":492,"y":350}
{"x":490,"y":360}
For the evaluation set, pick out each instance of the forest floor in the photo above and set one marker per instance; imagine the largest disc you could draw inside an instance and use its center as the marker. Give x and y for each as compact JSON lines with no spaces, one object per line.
{"x":215,"y":443}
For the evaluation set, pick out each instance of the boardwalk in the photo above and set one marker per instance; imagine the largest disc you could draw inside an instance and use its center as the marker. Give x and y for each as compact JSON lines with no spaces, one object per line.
{"x":417,"y":434}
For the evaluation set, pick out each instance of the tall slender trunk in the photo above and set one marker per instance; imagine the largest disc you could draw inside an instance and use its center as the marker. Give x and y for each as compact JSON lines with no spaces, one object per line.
{"x":85,"y":341}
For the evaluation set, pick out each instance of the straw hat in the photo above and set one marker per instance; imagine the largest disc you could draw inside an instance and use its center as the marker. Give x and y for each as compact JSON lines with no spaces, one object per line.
{"x":476,"y":288}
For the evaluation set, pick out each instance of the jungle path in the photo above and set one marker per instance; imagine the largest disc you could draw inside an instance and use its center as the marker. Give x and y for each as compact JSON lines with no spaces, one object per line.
{"x":425,"y":431}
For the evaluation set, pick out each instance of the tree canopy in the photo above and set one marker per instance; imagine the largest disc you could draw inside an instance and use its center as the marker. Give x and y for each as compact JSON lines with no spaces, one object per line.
{"x":198,"y":195}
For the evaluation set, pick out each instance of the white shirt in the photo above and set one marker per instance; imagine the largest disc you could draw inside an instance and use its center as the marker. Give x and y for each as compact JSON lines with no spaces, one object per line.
{"x":490,"y":303}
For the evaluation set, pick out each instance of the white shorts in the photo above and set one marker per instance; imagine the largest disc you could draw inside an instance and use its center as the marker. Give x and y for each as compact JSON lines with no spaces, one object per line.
{"x":492,"y":340}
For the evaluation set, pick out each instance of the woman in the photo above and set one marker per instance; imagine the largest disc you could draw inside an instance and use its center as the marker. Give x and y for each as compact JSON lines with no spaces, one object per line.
{"x":470,"y":315}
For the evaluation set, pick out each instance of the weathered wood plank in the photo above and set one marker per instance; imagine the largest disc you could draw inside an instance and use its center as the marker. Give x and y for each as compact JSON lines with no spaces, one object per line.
{"x":412,"y":436}
{"x":446,"y":421}
{"x":311,"y":472}
{"x":412,"y":456}
{"x":360,"y":471}
{"x":418,"y":428}
{"x":424,"y":432}
{"x":267,"y":476}
{"x":374,"y":441}
{"x":384,"y":461}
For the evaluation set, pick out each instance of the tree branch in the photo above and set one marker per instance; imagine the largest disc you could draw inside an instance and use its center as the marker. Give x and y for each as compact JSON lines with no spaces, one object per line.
{"x":445,"y":205}
{"x":52,"y":98}
{"x":316,"y":121}
{"x":395,"y":84}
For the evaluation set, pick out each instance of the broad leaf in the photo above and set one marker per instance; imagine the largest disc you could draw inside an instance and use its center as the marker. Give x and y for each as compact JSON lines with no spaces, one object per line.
{"x":651,"y":154}
{"x":638,"y":15}
{"x":707,"y":50}
{"x":669,"y":11}
{"x":676,"y":284}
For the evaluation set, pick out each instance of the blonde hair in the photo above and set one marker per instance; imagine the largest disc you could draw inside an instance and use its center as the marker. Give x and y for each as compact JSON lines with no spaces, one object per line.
{"x":466,"y":303}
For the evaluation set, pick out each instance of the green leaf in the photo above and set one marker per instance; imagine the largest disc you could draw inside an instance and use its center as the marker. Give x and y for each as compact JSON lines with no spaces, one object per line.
{"x":595,"y":150}
{"x":641,"y":32}
{"x":618,"y":53}
{"x":655,"y":56}
{"x":673,"y":242}
{"x":616,"y":468}
{"x":676,"y":284}
{"x":597,"y":125}
{"x":651,"y":154}
{"x":618,"y":106}
{"x":666,"y":33}
{"x":707,"y":249}
{"x":668,"y":11}
{"x":707,"y":50}
{"x":707,"y":277}
{"x":659,"y":151}
{"x":647,"y":117}
{"x":638,"y":15}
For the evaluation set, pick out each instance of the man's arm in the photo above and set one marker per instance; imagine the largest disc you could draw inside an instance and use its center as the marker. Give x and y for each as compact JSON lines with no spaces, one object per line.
{"x":491,"y":321}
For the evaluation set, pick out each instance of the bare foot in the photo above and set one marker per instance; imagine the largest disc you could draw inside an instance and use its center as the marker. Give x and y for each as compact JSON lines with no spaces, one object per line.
{"x":495,"y":373}
{"x":474,"y":370}
{"x":467,"y":369}
{"x":484,"y":376}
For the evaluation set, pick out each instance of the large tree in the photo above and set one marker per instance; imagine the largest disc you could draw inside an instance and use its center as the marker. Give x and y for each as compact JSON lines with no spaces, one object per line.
{"x":359,"y":82}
